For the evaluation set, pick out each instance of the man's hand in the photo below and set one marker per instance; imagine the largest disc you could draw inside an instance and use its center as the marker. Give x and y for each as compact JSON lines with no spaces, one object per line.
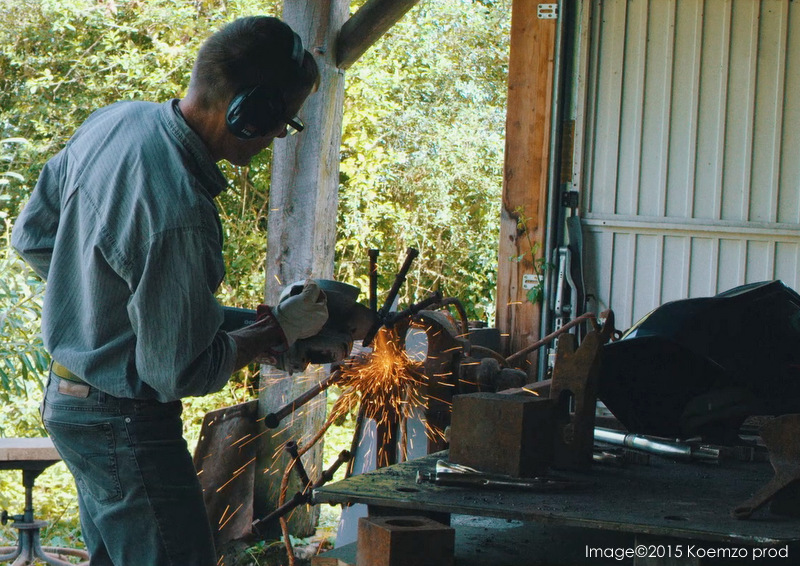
{"x":302,"y":315}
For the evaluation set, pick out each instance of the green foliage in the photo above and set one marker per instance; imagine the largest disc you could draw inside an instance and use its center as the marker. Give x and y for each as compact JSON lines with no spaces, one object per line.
{"x":422,"y":153}
{"x":59,"y":61}
{"x":22,"y":356}
{"x":533,"y":256}
{"x":23,"y":363}
{"x":12,"y":183}
{"x":62,"y":59}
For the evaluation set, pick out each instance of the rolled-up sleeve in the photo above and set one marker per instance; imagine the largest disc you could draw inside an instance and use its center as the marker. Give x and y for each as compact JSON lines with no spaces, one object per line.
{"x":180,"y":350}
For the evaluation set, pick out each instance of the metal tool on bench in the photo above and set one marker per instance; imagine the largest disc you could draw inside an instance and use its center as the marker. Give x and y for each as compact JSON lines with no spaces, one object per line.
{"x":456,"y":475}
{"x":659,"y":446}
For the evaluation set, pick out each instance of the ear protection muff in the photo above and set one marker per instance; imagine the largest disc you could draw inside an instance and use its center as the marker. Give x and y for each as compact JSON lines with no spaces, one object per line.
{"x":255,"y":111}
{"x":259,"y":109}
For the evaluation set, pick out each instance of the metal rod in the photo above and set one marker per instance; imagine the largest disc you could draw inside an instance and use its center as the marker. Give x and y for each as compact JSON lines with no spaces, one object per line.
{"x":555,"y":211}
{"x":386,"y":439}
{"x":359,"y":425}
{"x":273,"y":420}
{"x":327,"y":475}
{"x":303,"y":496}
{"x":549,"y":338}
{"x":411,"y":253}
{"x":297,"y":464}
{"x":676,"y":450}
{"x":395,"y":317}
{"x":373,"y":280}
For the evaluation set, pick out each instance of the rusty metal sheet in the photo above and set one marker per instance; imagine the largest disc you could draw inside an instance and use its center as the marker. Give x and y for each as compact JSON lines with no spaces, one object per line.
{"x":225,"y":459}
{"x":575,"y":381}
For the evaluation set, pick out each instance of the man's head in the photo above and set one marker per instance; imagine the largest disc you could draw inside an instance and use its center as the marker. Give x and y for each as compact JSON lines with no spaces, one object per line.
{"x":248,"y":82}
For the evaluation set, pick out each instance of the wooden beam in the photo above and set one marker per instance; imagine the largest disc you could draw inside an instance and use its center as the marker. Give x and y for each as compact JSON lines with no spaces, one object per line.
{"x":527,"y":153}
{"x":366,"y":26}
{"x":301,"y":235}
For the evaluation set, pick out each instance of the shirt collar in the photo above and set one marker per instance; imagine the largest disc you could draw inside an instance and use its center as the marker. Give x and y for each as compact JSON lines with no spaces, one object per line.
{"x":203,"y":163}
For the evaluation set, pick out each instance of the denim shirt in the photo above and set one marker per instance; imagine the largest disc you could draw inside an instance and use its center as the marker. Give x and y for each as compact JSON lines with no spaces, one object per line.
{"x":123,"y":227}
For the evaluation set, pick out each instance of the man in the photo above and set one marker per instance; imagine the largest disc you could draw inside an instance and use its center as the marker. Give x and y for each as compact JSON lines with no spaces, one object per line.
{"x":123,"y":226}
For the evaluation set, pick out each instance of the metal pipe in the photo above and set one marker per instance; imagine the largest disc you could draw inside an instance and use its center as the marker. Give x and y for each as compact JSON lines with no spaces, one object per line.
{"x":675,"y":450}
{"x":305,"y":496}
{"x":395,"y":317}
{"x":373,"y":280}
{"x":411,"y":253}
{"x":327,"y":475}
{"x":273,"y":420}
{"x":554,"y":210}
{"x":297,"y":464}
{"x":549,"y":338}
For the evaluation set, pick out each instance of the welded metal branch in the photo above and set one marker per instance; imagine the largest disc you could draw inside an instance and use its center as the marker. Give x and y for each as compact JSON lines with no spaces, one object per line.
{"x":273,"y":420}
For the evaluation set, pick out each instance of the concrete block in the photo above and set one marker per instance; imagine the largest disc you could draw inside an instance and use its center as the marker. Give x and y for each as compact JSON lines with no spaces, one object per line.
{"x":503,"y":434}
{"x":403,"y":541}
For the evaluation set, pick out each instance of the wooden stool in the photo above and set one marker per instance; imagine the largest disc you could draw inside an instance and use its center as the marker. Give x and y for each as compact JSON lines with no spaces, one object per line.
{"x":32,"y":456}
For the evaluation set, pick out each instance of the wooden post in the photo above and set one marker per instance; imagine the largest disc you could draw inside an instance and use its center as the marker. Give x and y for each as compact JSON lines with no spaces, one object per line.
{"x":301,"y":238}
{"x":530,"y":88}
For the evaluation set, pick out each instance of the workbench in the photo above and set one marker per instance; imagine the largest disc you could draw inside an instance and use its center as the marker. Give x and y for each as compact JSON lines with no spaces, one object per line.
{"x":33,"y":456}
{"x":679,"y":511}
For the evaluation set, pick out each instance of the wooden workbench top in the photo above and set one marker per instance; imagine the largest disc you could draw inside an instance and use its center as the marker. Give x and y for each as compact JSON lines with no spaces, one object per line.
{"x":18,"y":453}
{"x":664,"y":498}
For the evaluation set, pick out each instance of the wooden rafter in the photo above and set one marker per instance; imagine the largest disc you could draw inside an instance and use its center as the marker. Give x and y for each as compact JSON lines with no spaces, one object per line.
{"x":366,"y":26}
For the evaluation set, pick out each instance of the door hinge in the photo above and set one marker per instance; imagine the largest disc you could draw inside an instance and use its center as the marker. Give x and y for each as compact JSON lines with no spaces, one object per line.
{"x":547,"y":11}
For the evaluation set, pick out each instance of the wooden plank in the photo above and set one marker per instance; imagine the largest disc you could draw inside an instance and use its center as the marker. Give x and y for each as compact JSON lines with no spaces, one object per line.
{"x":530,"y":82}
{"x":366,"y":26}
{"x":301,"y":238}
{"x":665,"y":498}
{"x":38,"y":449}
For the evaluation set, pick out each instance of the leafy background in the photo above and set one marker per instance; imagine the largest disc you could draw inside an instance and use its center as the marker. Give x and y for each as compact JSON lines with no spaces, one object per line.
{"x":421,"y":166}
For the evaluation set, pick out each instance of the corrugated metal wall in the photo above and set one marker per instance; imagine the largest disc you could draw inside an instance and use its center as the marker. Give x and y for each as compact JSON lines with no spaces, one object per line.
{"x":688,"y":138}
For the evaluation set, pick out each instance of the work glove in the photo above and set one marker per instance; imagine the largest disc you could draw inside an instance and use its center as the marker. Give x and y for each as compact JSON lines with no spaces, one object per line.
{"x":302,"y":311}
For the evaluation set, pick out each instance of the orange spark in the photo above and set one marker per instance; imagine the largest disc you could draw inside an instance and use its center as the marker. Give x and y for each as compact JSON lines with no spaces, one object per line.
{"x":389,"y":384}
{"x":222,"y":526}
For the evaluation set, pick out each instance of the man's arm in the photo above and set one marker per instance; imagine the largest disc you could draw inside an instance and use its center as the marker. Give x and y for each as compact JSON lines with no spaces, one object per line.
{"x":34,"y":232}
{"x":254,"y":340}
{"x":180,"y":351}
{"x":297,"y":316}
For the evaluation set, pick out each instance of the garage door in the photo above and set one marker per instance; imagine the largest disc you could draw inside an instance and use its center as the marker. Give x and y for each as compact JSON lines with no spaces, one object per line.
{"x":688,"y":148}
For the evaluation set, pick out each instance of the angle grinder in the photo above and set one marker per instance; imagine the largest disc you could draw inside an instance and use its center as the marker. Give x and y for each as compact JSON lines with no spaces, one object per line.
{"x":348,"y":321}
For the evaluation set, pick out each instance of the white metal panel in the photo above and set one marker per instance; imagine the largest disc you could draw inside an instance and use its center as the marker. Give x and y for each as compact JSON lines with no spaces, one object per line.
{"x":689,"y":153}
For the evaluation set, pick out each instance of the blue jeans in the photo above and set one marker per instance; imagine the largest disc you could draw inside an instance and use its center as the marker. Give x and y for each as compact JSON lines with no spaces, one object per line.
{"x":140,"y":501}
